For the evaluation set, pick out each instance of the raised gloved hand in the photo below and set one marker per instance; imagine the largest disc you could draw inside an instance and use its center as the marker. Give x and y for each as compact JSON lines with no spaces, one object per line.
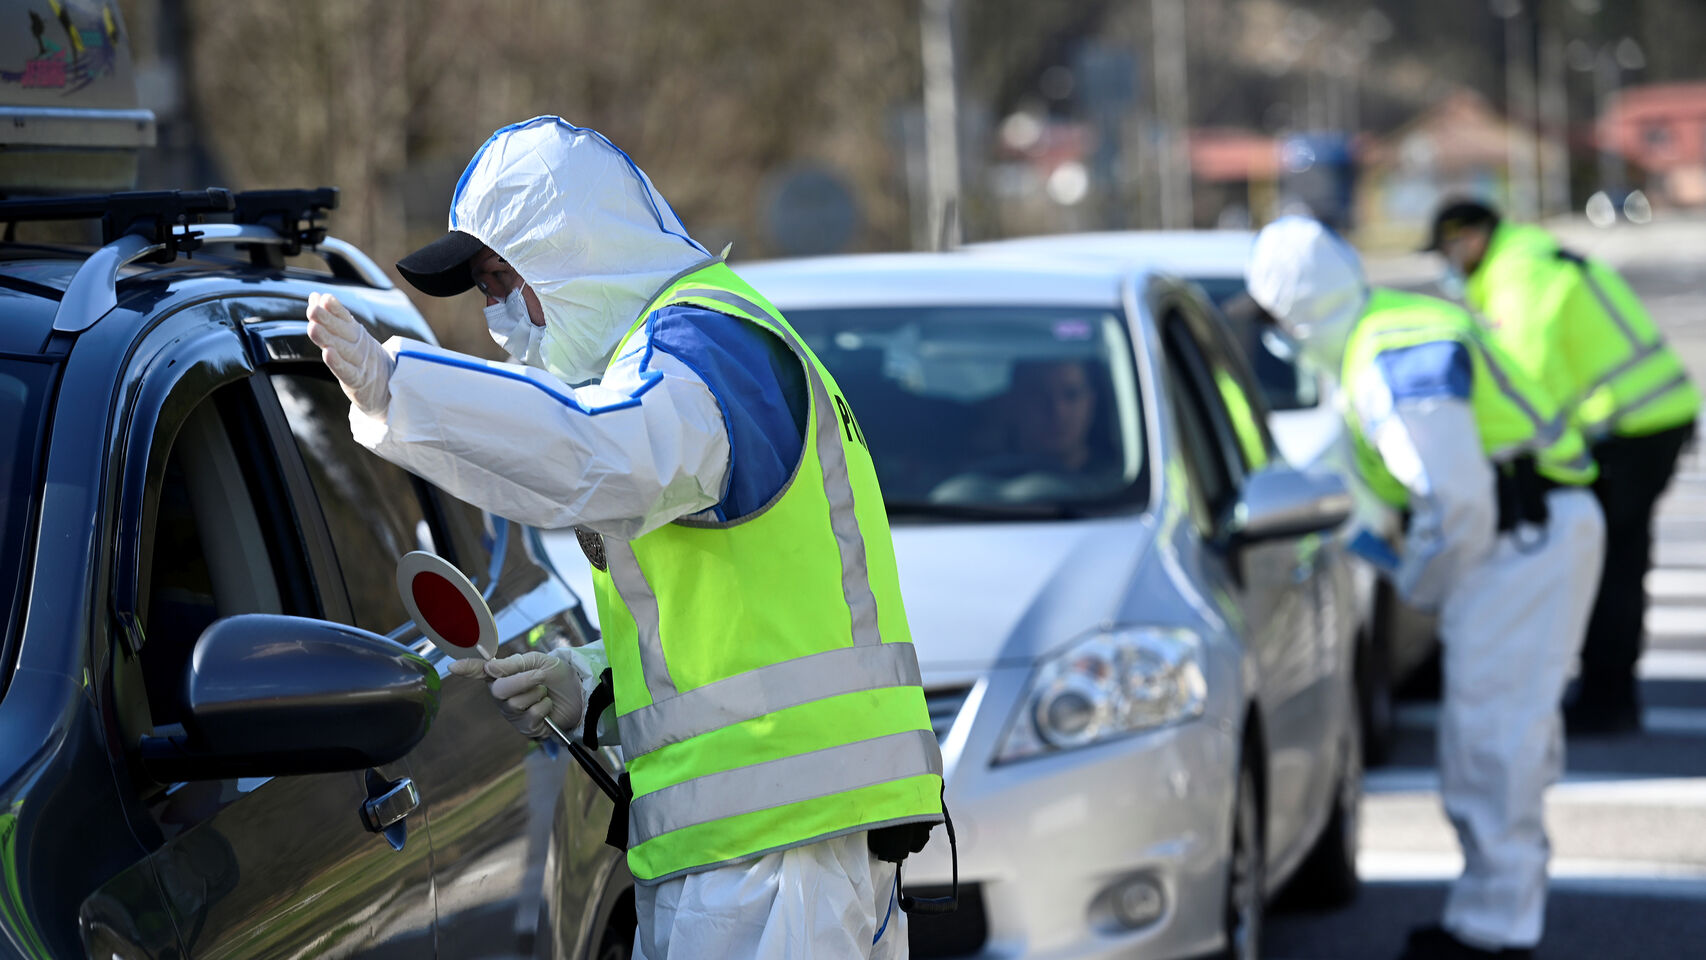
{"x":358,"y":361}
{"x":530,"y":687}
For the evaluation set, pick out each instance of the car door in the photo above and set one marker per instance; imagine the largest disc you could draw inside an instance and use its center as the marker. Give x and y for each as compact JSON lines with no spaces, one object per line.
{"x":517,"y":831}
{"x":208,"y":527}
{"x":1320,"y":660}
{"x":1274,"y":580}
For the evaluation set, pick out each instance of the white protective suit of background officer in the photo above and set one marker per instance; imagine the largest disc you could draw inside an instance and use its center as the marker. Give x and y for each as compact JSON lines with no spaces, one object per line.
{"x":1512,"y":615}
{"x":647,"y":445}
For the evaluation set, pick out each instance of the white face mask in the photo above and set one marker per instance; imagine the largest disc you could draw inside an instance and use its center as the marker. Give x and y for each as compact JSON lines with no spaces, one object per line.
{"x":508,"y":323}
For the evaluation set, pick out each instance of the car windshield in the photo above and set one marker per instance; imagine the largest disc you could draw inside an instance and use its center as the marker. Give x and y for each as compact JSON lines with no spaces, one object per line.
{"x":990,"y":412}
{"x":1285,"y":387}
{"x":23,"y":392}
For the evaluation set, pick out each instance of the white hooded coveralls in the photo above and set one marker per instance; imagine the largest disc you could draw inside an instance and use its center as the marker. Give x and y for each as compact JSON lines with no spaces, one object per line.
{"x":689,"y":420}
{"x":1513,"y":607}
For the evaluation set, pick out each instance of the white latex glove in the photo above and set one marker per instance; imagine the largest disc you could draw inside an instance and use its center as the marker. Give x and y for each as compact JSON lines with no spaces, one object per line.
{"x":590,"y":661}
{"x":358,"y":361}
{"x":530,"y":687}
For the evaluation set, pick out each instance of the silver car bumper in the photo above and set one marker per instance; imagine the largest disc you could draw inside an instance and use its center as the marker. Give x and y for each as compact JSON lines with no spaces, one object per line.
{"x":1049,"y":840}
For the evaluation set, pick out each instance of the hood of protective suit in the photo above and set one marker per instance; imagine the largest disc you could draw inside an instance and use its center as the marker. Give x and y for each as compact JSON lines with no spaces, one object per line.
{"x":1312,"y":283}
{"x":586,"y":229}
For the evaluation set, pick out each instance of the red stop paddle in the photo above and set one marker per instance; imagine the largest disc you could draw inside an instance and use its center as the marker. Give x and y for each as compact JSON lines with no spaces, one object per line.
{"x":456,"y":619}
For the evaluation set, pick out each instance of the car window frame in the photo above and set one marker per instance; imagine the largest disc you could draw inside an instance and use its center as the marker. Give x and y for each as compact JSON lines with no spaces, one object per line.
{"x":1196,"y":384}
{"x":1220,"y":310}
{"x":178,"y":366}
{"x":277,"y":331}
{"x":12,"y":612}
{"x":1222,"y":352}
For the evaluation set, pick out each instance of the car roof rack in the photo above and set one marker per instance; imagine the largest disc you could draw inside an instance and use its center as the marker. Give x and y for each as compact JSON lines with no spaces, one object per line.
{"x":155,"y":227}
{"x":155,"y":214}
{"x":292,"y":214}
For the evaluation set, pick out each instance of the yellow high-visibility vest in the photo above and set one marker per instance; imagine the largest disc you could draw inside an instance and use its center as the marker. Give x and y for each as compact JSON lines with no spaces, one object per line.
{"x":766,"y":689}
{"x":1513,"y":415}
{"x":1574,"y":326}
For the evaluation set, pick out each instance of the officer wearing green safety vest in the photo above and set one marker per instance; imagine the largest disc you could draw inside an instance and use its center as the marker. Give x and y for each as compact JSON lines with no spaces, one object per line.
{"x":1575,"y":326}
{"x":755,"y":667}
{"x":777,"y":640}
{"x":1501,"y":537}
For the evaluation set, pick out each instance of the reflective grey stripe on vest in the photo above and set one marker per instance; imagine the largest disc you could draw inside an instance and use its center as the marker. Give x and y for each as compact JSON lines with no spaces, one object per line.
{"x":774,"y":783}
{"x":754,"y":693}
{"x":1651,"y":396}
{"x":1640,"y":356}
{"x":1643,"y":352}
{"x":1604,"y":299}
{"x":832,"y":459}
{"x":630,"y":582}
{"x":1546,"y":432}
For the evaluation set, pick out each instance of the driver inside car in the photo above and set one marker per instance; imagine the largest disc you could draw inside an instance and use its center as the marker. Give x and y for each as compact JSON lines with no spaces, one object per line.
{"x":1044,"y":428}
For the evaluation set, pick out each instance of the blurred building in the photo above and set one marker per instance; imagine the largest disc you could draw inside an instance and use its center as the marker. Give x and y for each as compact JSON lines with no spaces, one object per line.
{"x":1459,"y":146}
{"x":1237,"y":177}
{"x":1661,"y":129}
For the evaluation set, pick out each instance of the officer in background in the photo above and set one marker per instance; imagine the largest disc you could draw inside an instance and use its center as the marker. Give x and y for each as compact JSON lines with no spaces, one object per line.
{"x":1575,"y":327}
{"x":1503,"y":540}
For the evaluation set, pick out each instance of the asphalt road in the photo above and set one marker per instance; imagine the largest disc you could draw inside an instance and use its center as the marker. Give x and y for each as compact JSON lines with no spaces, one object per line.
{"x":1628,"y":823}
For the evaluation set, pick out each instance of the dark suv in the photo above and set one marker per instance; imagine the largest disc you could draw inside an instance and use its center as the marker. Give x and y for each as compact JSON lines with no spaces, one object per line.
{"x":179,"y":776}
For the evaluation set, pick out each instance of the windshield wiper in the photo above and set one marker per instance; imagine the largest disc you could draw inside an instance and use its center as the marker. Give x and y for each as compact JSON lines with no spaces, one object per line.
{"x":980,"y":511}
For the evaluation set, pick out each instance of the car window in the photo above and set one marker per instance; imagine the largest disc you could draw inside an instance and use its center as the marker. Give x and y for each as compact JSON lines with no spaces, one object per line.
{"x":373,"y":508}
{"x":1194,"y":404}
{"x":1283,"y":384}
{"x":210,"y":556}
{"x":990,"y":407}
{"x":24,"y":387}
{"x":1242,"y":401}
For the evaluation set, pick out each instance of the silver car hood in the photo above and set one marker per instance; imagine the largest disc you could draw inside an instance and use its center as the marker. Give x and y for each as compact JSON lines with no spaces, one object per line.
{"x":983,"y":594}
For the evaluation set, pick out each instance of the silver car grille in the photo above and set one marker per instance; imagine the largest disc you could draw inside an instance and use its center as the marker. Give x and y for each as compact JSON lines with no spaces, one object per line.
{"x":944,"y":704}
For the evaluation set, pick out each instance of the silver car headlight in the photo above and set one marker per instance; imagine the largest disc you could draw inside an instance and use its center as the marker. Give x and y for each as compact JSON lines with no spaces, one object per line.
{"x":1107,"y":685}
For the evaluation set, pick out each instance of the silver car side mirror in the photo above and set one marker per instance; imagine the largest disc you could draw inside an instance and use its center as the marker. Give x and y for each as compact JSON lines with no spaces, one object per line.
{"x":1280,"y":502}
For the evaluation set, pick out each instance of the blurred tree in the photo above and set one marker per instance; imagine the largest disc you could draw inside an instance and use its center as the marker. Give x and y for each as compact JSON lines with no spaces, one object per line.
{"x":1670,"y":32}
{"x":389,"y":100}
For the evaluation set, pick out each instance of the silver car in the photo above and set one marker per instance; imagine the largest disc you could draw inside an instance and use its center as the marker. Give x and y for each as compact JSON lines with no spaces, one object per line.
{"x":1397,"y":642}
{"x":1135,"y":635}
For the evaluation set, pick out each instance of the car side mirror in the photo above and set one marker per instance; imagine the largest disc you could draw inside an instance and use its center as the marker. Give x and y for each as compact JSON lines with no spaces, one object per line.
{"x":268,"y":696}
{"x":1281,"y":502}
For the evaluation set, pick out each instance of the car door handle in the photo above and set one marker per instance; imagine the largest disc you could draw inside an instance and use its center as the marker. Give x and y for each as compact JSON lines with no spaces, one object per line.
{"x":389,"y":808}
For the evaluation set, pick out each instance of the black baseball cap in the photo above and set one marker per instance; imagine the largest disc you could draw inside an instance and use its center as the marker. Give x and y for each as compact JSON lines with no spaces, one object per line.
{"x":1455,"y":215}
{"x":440,"y":269}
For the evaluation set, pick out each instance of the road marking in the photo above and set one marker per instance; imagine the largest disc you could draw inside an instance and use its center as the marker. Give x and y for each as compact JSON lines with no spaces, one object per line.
{"x":1677,"y":586}
{"x":1586,"y":789}
{"x":1576,"y":789}
{"x":1686,"y":721}
{"x":1671,"y":620}
{"x":1679,"y":529}
{"x":1581,"y":875}
{"x":1672,"y":665}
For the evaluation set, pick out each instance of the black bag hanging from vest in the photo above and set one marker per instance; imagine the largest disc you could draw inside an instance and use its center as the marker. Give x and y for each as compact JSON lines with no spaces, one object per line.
{"x":893,"y":844}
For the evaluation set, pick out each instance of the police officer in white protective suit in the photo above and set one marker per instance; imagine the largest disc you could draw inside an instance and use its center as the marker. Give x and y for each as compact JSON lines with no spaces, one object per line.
{"x":1503,"y":539}
{"x":697,"y":410}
